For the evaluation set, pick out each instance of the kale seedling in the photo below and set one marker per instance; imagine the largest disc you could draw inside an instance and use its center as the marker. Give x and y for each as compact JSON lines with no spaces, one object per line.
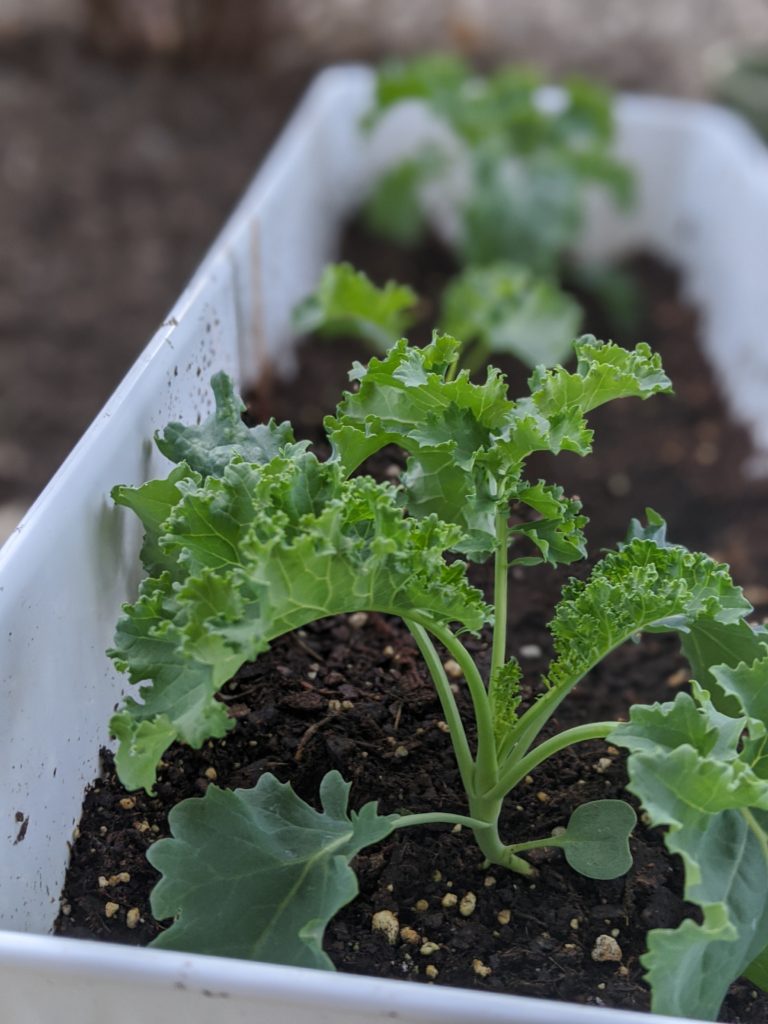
{"x":503,"y":308}
{"x":531,"y":151}
{"x":250,"y":536}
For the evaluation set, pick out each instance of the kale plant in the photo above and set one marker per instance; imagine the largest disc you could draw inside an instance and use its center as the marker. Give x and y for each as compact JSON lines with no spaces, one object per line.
{"x":500,"y":309}
{"x":251,"y":536}
{"x":532,"y":152}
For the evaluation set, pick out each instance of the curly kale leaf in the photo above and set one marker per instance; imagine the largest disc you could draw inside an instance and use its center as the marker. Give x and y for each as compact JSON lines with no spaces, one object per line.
{"x":504,"y":308}
{"x":258,"y":873}
{"x":207,"y":449}
{"x":259,"y":551}
{"x":468,"y":442}
{"x":346,"y":302}
{"x":532,"y":149}
{"x":643,"y":586}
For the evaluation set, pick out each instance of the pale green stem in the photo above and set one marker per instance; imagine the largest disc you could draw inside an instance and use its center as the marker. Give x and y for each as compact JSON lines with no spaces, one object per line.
{"x":510,"y":777}
{"x":500,"y":590}
{"x":537,"y":844}
{"x":447,"y":700}
{"x":438,"y":818}
{"x":453,"y":369}
{"x":486,"y":765}
{"x":756,"y":830}
{"x":477,"y":357}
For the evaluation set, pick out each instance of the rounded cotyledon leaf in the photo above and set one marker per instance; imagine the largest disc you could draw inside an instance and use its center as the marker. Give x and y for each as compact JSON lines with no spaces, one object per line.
{"x":596,"y":841}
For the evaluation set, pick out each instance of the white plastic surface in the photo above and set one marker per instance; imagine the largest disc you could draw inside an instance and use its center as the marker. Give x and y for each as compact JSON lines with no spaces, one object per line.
{"x":703,"y":204}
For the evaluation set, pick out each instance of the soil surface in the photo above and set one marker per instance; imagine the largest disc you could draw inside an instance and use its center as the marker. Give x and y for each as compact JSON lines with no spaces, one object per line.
{"x":351,"y":693}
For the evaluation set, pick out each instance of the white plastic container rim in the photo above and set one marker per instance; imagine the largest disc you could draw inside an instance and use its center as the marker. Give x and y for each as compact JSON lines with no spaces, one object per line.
{"x":702,"y":205}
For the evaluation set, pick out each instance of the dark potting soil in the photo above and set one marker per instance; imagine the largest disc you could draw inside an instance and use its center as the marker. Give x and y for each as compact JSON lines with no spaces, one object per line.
{"x":352,"y":693}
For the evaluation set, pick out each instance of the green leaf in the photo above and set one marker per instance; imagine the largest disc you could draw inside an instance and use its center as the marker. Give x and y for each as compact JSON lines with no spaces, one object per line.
{"x":263,"y":550}
{"x":697,"y":772}
{"x":468,"y":442}
{"x":152,"y":503}
{"x":504,"y":698}
{"x":558,"y":533}
{"x":531,"y":158}
{"x":604,"y":371}
{"x":596,"y":841}
{"x":393,"y":210}
{"x":258,"y":873}
{"x":709,"y":643}
{"x":757,"y":972}
{"x":527,"y":209}
{"x":347,"y":303}
{"x":643,"y":586}
{"x":433,"y":77}
{"x":730,"y":861}
{"x":505,"y":309}
{"x":210,"y":447}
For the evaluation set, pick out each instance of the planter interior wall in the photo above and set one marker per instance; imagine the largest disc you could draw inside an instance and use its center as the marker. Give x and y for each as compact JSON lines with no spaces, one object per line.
{"x":702,"y":204}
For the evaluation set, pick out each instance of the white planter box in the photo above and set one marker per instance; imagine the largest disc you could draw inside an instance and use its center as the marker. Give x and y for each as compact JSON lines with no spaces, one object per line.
{"x":703,"y":204}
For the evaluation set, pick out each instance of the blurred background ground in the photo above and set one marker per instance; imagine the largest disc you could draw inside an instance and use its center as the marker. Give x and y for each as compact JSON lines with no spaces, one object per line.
{"x":129,"y":127}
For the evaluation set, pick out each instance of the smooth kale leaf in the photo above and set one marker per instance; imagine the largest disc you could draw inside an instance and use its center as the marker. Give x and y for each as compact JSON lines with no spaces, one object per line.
{"x":346,"y":302}
{"x":504,"y":308}
{"x":209,"y":448}
{"x":596,"y":841}
{"x":258,"y":873}
{"x":259,"y":551}
{"x":702,"y":775}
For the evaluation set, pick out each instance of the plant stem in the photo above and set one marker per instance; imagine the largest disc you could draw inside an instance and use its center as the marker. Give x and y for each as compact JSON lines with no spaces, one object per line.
{"x":438,"y":818}
{"x":486,"y":764}
{"x":477,"y":357}
{"x":447,"y":700}
{"x":500,"y":591}
{"x":756,"y":830}
{"x":516,"y":771}
{"x":488,"y":810}
{"x":538,"y":844}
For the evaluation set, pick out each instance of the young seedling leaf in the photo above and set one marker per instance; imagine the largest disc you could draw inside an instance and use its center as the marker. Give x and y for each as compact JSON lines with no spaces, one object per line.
{"x":258,"y":873}
{"x":702,"y":775}
{"x":596,"y":841}
{"x":263,"y":550}
{"x":504,"y":308}
{"x":207,"y":449}
{"x":347,"y":303}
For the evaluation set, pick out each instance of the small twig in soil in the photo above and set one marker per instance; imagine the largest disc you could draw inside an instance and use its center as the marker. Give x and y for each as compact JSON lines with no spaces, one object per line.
{"x":302,"y":643}
{"x":309,"y":733}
